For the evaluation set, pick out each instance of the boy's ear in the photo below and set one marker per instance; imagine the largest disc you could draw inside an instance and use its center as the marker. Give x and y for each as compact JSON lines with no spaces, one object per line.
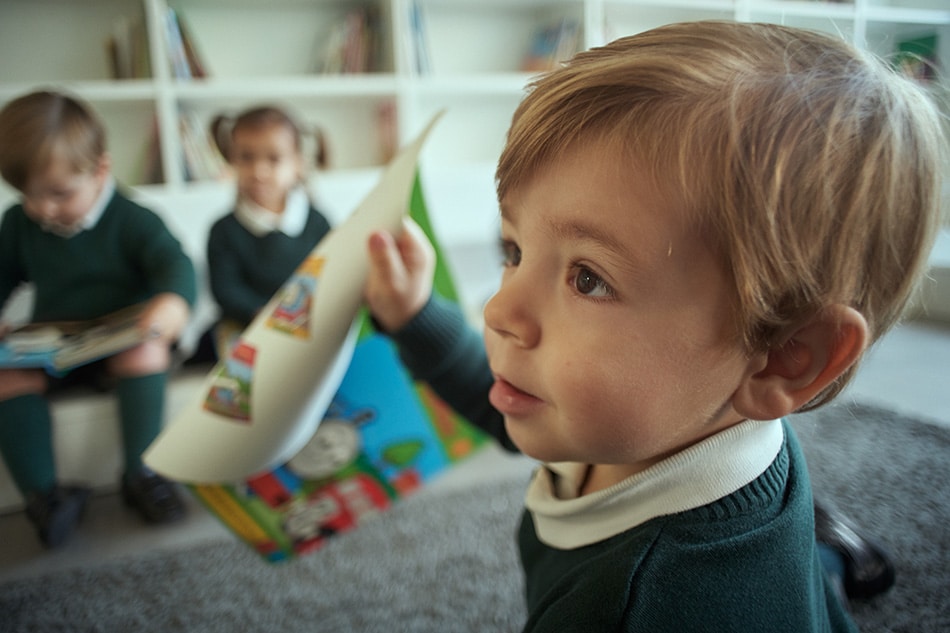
{"x":790,"y":375}
{"x":104,"y":166}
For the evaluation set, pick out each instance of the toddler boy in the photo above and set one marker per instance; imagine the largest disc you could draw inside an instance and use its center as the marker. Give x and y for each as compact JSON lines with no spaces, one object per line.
{"x":703,"y":228}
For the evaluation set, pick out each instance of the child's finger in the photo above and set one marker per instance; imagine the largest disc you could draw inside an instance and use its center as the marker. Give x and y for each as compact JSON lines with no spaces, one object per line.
{"x":384,"y":256}
{"x":414,"y":247}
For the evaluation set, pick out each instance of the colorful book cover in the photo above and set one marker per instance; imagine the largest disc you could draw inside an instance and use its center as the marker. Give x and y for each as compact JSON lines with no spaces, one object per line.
{"x":59,"y":346}
{"x":382,"y":438}
{"x":311,"y":425}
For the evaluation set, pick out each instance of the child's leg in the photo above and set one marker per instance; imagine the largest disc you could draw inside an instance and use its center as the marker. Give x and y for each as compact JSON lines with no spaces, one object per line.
{"x":27,"y":446}
{"x":141,"y":410}
{"x":26,"y":443}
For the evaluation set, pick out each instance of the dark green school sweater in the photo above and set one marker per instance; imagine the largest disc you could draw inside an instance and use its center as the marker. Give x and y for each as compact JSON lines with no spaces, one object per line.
{"x":129,"y":256}
{"x":246,"y":270}
{"x":746,"y":562}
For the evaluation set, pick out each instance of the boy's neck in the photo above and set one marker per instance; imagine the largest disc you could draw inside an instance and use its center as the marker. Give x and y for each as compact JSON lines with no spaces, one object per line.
{"x":602,"y":476}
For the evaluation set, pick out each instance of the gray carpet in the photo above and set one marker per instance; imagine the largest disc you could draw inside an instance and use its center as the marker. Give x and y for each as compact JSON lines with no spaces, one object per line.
{"x":447,"y":562}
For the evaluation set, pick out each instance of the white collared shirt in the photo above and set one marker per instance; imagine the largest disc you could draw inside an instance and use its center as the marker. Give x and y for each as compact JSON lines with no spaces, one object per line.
{"x":260,"y":221}
{"x":703,"y":473}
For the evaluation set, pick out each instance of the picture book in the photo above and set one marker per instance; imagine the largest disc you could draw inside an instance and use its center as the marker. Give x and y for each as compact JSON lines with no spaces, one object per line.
{"x":312,"y":425}
{"x":62,"y":345}
{"x":382,"y":437}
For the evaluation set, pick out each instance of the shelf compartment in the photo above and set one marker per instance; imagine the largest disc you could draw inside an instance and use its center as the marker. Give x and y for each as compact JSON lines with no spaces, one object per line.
{"x":280,"y":38}
{"x":61,"y":40}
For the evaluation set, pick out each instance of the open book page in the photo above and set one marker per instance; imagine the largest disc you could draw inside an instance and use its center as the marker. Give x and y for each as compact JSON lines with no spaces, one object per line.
{"x":258,"y":407}
{"x":61,"y":345}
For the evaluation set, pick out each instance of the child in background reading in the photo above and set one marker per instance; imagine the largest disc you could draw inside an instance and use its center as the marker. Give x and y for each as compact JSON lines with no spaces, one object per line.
{"x":703,"y":227}
{"x":88,"y":250}
{"x":255,"y":248}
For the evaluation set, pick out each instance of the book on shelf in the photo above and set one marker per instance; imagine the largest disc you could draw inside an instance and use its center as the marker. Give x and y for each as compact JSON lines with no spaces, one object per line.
{"x":152,"y":171}
{"x":183,"y":55}
{"x":202,"y":161}
{"x":387,"y":124}
{"x":127,"y":48}
{"x":58,"y":346}
{"x":196,"y":61}
{"x":352,"y":44}
{"x":551,"y":43}
{"x":420,"y":39}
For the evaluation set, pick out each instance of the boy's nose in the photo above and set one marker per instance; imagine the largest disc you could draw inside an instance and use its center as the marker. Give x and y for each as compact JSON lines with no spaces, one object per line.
{"x":509,"y":314}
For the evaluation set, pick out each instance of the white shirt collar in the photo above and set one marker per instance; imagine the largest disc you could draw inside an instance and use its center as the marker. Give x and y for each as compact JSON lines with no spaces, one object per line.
{"x":699,"y":475}
{"x":260,"y":221}
{"x":92,"y":218}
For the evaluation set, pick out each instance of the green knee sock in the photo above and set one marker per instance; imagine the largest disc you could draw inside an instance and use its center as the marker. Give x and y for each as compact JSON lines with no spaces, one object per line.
{"x":26,"y":443}
{"x":141,"y":411}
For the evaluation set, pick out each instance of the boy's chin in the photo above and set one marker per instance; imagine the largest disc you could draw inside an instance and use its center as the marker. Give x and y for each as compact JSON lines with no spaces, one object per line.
{"x":536,"y":448}
{"x":61,"y":230}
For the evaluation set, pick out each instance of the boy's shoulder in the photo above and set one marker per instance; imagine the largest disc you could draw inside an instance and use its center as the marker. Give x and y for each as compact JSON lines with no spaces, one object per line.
{"x":122,"y":199}
{"x":122,"y":208}
{"x":12,"y":210}
{"x":14,"y":219}
{"x":225,"y":226}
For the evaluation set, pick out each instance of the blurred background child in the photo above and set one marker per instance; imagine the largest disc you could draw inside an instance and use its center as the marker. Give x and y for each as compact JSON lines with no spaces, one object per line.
{"x":87,"y":250}
{"x":274,"y":224}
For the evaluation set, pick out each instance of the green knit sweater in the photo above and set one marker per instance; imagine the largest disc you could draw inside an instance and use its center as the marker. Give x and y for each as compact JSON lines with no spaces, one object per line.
{"x":127,"y":257}
{"x":246,"y":270}
{"x":746,"y":562}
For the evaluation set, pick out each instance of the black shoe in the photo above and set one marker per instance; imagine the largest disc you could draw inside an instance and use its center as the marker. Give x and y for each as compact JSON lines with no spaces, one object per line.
{"x":868,"y":569}
{"x":152,"y":496}
{"x":56,"y":513}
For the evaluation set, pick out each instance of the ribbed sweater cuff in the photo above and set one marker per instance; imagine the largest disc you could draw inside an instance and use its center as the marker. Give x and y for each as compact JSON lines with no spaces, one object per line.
{"x":432,"y":337}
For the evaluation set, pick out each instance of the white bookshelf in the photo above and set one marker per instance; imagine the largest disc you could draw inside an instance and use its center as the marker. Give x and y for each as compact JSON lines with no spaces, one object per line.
{"x":260,"y":51}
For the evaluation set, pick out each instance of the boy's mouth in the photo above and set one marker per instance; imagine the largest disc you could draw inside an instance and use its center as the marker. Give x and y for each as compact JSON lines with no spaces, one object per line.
{"x":512,"y":401}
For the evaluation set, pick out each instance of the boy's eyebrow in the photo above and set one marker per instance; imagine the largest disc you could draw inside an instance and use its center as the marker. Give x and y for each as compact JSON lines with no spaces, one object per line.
{"x":572,"y":229}
{"x":588,"y":232}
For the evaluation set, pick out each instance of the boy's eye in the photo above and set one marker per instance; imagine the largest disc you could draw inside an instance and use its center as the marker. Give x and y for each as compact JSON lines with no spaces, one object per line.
{"x":510,"y":253}
{"x":588,"y":283}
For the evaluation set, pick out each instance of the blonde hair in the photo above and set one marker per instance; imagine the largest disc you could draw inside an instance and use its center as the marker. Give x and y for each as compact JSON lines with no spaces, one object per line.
{"x":811,"y":166}
{"x":37,"y":126}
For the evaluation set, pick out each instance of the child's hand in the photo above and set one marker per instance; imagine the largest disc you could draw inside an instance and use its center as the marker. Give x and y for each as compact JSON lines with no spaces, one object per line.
{"x":166,"y":316}
{"x":400,"y":275}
